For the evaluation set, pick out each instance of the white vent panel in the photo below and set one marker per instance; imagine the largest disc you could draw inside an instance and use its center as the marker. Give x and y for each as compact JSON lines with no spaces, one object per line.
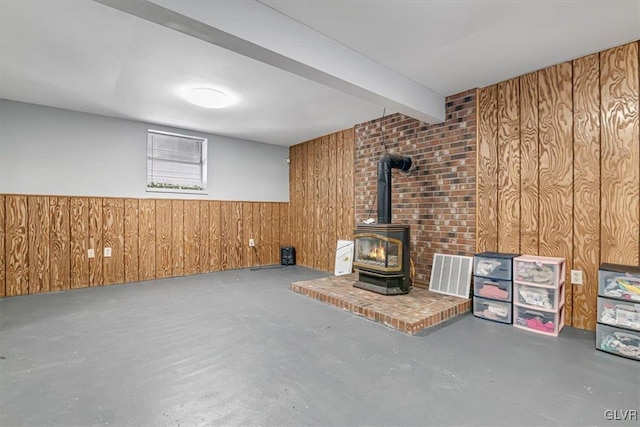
{"x":451,"y":275}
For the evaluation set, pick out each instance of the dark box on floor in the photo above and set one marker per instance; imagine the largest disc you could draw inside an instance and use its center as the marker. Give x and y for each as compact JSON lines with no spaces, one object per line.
{"x":287,"y":255}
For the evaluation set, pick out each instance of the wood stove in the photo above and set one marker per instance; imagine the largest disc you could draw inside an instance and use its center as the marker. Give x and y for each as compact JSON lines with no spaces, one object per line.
{"x":382,"y":249}
{"x":382,"y":258}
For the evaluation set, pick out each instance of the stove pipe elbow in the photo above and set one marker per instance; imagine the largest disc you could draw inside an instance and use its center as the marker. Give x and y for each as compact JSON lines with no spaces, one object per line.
{"x":386,"y":163}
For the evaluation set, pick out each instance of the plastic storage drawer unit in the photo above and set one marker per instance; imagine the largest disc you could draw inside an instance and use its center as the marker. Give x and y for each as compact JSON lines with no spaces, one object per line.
{"x":620,"y":282}
{"x":493,"y":264}
{"x":543,"y":298}
{"x":617,"y":341}
{"x":539,"y":271}
{"x":542,"y":322}
{"x":618,"y":313}
{"x":492,"y":288}
{"x":492,"y":310}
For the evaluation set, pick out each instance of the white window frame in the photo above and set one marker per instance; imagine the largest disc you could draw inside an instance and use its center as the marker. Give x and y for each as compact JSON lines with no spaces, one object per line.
{"x":203,"y":164}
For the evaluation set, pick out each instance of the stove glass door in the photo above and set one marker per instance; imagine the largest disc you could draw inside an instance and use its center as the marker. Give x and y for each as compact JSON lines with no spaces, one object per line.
{"x":378,"y":252}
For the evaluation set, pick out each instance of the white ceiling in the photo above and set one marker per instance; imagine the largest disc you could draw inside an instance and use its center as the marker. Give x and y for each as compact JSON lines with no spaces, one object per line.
{"x":85,"y":56}
{"x":451,"y":45}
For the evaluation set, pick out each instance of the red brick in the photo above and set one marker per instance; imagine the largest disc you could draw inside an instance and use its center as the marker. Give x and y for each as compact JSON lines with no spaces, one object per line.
{"x":399,"y":312}
{"x":439,"y":197}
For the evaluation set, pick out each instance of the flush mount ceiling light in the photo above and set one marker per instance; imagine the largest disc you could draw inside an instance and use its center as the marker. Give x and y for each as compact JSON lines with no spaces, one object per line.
{"x":207,"y":98}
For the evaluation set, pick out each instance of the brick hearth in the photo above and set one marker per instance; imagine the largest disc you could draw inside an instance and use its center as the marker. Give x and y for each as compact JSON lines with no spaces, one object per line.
{"x":410,"y":313}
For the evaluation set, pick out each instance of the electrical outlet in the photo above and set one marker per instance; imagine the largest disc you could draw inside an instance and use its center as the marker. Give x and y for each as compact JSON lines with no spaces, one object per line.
{"x":91,"y":253}
{"x":252,"y":243}
{"x":107,"y":252}
{"x":576,"y":277}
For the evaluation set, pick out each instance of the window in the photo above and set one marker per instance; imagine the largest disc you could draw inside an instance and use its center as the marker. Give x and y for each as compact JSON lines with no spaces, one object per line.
{"x":176,"y":163}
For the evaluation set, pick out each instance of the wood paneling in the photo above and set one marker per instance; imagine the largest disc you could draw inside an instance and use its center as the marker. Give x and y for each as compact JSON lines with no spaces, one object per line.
{"x":349,"y":189}
{"x":322,"y":212}
{"x":275,"y":237}
{"x":297,"y":198}
{"x":285,"y":225}
{"x":131,"y":240}
{"x":39,"y":225}
{"x":509,"y":166}
{"x":205,"y":263}
{"x":341,"y":219}
{"x":247,"y":231}
{"x":294,"y":195}
{"x":580,"y":168}
{"x":113,"y":237}
{"x":345,"y":186}
{"x":272,"y":233}
{"x":16,"y":245}
{"x":620,"y":156}
{"x":298,"y":212}
{"x":191,"y":236}
{"x":147,"y":240}
{"x":529,"y":164}
{"x":95,"y":241}
{"x":322,"y":198}
{"x":331,"y":219}
{"x":215,"y":233}
{"x":164,"y":261}
{"x":487,"y":170}
{"x":555,"y":109}
{"x":310,"y":205}
{"x":59,"y":244}
{"x":306,"y":257}
{"x":316,"y":184}
{"x":586,"y":187}
{"x":235,"y":236}
{"x":177,"y":237}
{"x":3,"y":280}
{"x":79,"y":242}
{"x":270,"y":241}
{"x":226,"y":231}
{"x":259,"y":251}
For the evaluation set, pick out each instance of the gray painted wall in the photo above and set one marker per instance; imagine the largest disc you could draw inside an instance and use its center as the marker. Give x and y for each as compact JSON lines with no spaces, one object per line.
{"x":46,"y":150}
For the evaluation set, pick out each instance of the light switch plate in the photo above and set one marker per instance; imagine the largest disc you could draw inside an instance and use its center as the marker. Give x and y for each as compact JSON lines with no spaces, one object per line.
{"x":107,"y":252}
{"x":91,"y":253}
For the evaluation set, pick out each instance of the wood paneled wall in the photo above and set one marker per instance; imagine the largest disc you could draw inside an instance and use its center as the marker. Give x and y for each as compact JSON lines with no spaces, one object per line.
{"x":559,"y":168}
{"x":321,"y":197}
{"x":2,"y":246}
{"x":44,"y":240}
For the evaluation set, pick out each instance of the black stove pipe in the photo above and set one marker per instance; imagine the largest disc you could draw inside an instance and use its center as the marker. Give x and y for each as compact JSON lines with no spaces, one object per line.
{"x":386,"y":163}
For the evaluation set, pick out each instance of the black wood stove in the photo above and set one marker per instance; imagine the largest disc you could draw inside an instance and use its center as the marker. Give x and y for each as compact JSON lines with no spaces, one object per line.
{"x":382,"y":249}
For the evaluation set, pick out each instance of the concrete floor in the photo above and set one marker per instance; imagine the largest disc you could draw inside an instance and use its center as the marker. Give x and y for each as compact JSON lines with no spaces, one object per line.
{"x":240,"y":348}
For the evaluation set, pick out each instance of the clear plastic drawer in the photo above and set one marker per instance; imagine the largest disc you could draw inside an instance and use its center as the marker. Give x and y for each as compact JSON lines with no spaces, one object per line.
{"x":492,"y":288}
{"x":622,"y":285}
{"x":618,"y":341}
{"x":494,"y":265}
{"x":541,"y":322}
{"x":538,"y":297}
{"x":618,"y":313}
{"x":539,"y":271}
{"x":492,"y":310}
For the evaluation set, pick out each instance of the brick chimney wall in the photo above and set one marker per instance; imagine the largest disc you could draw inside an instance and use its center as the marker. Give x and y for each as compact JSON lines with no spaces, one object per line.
{"x":438,"y":198}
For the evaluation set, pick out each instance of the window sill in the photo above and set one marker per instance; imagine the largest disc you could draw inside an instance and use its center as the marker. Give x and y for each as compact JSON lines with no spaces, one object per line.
{"x":175,"y":190}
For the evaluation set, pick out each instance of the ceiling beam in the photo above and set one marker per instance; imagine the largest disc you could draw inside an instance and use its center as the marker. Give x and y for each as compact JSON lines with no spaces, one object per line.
{"x":256,"y":31}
